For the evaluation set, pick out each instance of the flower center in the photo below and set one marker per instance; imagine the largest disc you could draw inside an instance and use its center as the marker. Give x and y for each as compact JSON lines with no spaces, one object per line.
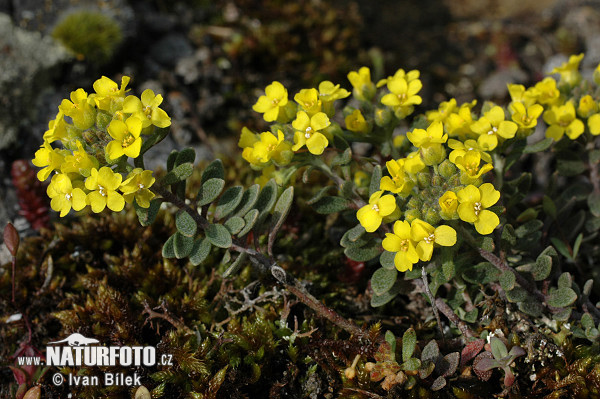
{"x":493,"y":130}
{"x":430,"y":238}
{"x":402,"y":97}
{"x":308,"y":132}
{"x":375,"y":208}
{"x":101,"y":190}
{"x":140,"y":186}
{"x":148,"y":111}
{"x":275,"y":101}
{"x":68,"y":196}
{"x":404,"y":244}
{"x":127,"y":140}
{"x":477,"y":208}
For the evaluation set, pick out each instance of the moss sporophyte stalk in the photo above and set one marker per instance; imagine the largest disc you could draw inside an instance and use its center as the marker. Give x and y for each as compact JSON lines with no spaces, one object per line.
{"x":434,"y":191}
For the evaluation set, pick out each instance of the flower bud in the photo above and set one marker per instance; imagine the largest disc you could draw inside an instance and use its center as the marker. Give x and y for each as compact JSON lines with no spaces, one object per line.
{"x":423,"y":179}
{"x":437,"y":181}
{"x":412,"y":214}
{"x":431,"y":216}
{"x":414,"y":203}
{"x":102,"y":120}
{"x":382,"y":116}
{"x":433,"y":154}
{"x":447,"y":169}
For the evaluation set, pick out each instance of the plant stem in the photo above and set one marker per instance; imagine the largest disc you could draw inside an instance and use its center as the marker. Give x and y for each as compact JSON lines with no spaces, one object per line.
{"x":449,"y":313}
{"x":432,"y":300}
{"x":266,"y":265}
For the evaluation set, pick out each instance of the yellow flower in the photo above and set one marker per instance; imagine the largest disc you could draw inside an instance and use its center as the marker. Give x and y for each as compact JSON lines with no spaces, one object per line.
{"x":430,"y":142}
{"x":355,"y":122}
{"x":448,"y":205}
{"x":57,"y":129}
{"x":425,"y":235}
{"x":126,"y":135}
{"x":79,"y":162}
{"x":403,"y":95}
{"x":328,"y":93}
{"x":562,"y":120}
{"x":400,"y":74}
{"x":492,"y":126}
{"x":271,"y":147}
{"x":137,"y":185}
{"x":79,"y":110}
{"x":273,"y":102}
{"x":569,"y":71}
{"x":103,"y":185}
{"x":247,"y":138}
{"x":413,"y":163}
{"x":361,"y":179}
{"x":518,"y":94}
{"x":399,"y":182}
{"x":371,"y":215}
{"x":594,"y":124}
{"x":469,"y":166}
{"x":363,"y":88}
{"x":49,"y":159}
{"x":308,"y":132}
{"x":109,"y":96}
{"x":472,"y":206}
{"x":458,"y":124}
{"x":525,"y":117}
{"x":444,"y":110}
{"x":587,"y":106}
{"x":402,"y":244}
{"x":460,"y":149}
{"x":147,"y":109}
{"x":309,"y":100}
{"x":546,"y":92}
{"x":63,"y":196}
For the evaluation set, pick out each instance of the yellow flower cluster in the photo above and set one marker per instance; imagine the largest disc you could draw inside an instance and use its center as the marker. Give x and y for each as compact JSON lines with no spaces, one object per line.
{"x":94,"y":133}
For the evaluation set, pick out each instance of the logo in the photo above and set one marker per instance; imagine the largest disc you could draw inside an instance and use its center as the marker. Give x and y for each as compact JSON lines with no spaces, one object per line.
{"x":76,"y":339}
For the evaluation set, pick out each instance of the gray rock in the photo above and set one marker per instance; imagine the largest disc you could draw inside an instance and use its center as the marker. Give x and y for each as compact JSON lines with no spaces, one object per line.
{"x":170,"y":49}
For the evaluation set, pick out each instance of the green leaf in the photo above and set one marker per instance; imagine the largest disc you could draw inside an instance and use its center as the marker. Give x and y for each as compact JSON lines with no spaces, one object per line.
{"x":171,"y":160}
{"x":577,"y":244}
{"x":185,"y":155}
{"x":266,"y":198}
{"x":532,"y":308}
{"x":362,"y":254}
{"x":527,"y":215}
{"x":390,"y":338}
{"x":248,"y":200}
{"x":507,"y":280}
{"x":529,"y":228}
{"x":200,"y":251}
{"x":516,"y":295}
{"x":375,"y":180}
{"x":587,"y":321}
{"x":561,"y":247}
{"x":499,"y":350}
{"x":282,"y":208}
{"x":430,"y":352}
{"x":380,"y":300}
{"x":218,"y":235}
{"x":482,"y":273}
{"x":185,"y":224}
{"x":542,"y":145}
{"x":229,"y":201}
{"x":347,"y":190}
{"x":561,"y":297}
{"x":147,"y":216}
{"x":236,"y":265}
{"x":387,"y":260}
{"x":409,"y":343}
{"x":543,"y":267}
{"x":383,"y":280}
{"x":234,"y":224}
{"x":327,"y":205}
{"x":182,"y":245}
{"x":549,"y":207}
{"x":320,"y":194}
{"x":214,"y":170}
{"x":565,"y":280}
{"x":156,"y":137}
{"x":342,"y":158}
{"x":168,"y":249}
{"x":210,"y":190}
{"x":570,"y":165}
{"x":411,"y":364}
{"x":250,"y":220}
{"x":179,"y":173}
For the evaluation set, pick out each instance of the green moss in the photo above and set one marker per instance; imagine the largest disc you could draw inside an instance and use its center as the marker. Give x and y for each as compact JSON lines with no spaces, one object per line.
{"x":90,"y":35}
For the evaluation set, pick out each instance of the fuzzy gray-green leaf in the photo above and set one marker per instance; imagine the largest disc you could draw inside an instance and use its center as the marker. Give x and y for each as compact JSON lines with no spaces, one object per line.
{"x":182,"y":245}
{"x":362,"y":254}
{"x":409,"y":343}
{"x":210,"y":190}
{"x":185,"y":224}
{"x":234,"y":224}
{"x":507,"y":280}
{"x":327,"y":205}
{"x":250,"y":220}
{"x":561,"y":297}
{"x":218,"y":235}
{"x":229,"y":201}
{"x":213,"y":170}
{"x":386,"y":260}
{"x":200,"y":251}
{"x":375,"y":180}
{"x":236,"y":265}
{"x":266,"y":198}
{"x":248,"y":200}
{"x":383,"y":279}
{"x":179,"y":173}
{"x":168,"y":250}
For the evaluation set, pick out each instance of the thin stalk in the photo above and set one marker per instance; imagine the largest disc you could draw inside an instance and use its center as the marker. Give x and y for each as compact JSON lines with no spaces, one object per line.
{"x":432,"y":300}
